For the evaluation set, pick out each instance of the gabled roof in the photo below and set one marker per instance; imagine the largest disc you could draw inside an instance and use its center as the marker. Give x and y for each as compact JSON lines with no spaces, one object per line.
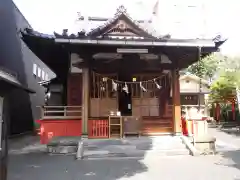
{"x":195,"y":78}
{"x":140,"y":30}
{"x":122,"y":14}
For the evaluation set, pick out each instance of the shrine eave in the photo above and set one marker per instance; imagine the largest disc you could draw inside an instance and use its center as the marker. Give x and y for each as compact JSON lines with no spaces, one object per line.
{"x":214,"y":43}
{"x":137,"y":42}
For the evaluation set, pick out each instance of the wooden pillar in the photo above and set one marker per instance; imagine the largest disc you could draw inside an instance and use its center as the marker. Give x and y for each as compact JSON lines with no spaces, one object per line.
{"x":85,"y":100}
{"x":176,"y":103}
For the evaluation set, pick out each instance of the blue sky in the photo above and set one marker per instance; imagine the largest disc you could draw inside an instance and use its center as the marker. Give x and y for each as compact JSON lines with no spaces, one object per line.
{"x":219,"y":17}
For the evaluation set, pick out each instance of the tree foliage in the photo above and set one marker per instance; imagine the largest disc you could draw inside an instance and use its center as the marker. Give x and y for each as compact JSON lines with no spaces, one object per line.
{"x":223,"y":72}
{"x":206,"y":67}
{"x":223,"y":89}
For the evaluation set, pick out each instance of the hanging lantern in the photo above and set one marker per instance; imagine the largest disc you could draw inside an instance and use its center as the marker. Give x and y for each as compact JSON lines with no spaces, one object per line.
{"x":104,"y":79}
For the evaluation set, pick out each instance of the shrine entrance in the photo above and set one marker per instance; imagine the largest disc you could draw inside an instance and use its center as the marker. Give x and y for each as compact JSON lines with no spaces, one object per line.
{"x":124,"y":95}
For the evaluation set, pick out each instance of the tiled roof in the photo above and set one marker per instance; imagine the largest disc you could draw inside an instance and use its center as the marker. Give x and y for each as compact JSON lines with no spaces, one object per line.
{"x":123,"y":11}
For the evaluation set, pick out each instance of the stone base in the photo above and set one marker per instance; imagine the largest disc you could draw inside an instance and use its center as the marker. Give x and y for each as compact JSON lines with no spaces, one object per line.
{"x":62,"y":149}
{"x":63,"y":145}
{"x":205,"y":144}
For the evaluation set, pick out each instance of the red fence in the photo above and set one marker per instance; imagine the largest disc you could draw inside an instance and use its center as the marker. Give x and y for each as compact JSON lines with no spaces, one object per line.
{"x":98,"y":129}
{"x":50,"y":128}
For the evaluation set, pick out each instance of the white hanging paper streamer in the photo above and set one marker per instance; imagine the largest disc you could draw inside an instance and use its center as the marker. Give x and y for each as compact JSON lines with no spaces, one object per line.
{"x":125,"y":88}
{"x":171,"y":92}
{"x":114,"y":86}
{"x":143,"y":88}
{"x":158,"y":86}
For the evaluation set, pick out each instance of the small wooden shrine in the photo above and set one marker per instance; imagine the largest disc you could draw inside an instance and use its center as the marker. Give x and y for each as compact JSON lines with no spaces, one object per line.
{"x":120,"y":68}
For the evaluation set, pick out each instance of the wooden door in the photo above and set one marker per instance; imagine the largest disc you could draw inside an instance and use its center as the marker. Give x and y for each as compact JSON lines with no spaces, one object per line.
{"x":145,"y":103}
{"x":103,"y":98}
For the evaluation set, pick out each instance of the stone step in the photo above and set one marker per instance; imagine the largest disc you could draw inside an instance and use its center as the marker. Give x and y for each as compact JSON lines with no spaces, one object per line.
{"x":62,"y":149}
{"x":63,"y":145}
{"x":153,"y":122}
{"x":154,"y":130}
{"x":135,"y":147}
{"x":137,"y":154}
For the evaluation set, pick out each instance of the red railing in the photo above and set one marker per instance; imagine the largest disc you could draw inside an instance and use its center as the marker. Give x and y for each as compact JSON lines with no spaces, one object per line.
{"x":50,"y":128}
{"x":98,"y":128}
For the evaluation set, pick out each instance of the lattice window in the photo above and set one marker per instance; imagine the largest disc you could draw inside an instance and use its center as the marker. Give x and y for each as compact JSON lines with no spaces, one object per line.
{"x":101,"y":86}
{"x":150,"y":86}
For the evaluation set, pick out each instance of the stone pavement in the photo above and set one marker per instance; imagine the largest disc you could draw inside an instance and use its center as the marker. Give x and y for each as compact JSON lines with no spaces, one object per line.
{"x":25,"y":144}
{"x":37,"y":165}
{"x":135,"y":147}
{"x":42,"y":167}
{"x":225,"y":141}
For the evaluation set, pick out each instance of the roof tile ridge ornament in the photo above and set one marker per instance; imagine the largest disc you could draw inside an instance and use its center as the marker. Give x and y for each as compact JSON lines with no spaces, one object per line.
{"x":122,"y":10}
{"x":217,"y":38}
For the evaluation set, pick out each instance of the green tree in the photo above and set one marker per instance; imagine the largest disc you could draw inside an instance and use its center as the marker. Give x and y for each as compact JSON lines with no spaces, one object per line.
{"x":224,"y":88}
{"x":207,"y":66}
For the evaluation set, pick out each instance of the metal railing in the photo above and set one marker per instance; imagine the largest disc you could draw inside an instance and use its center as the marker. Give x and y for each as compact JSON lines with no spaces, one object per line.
{"x":61,"y":112}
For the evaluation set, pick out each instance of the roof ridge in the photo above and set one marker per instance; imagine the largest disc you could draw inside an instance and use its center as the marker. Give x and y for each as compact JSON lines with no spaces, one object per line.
{"x":122,"y":10}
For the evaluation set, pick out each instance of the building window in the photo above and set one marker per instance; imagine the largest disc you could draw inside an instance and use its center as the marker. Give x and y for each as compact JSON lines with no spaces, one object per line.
{"x":187,"y":81}
{"x":46,"y":77}
{"x":35,"y":69}
{"x":39,"y":72}
{"x":43,"y":75}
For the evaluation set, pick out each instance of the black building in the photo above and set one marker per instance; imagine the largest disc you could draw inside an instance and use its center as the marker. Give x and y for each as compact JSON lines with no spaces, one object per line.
{"x":29,"y":69}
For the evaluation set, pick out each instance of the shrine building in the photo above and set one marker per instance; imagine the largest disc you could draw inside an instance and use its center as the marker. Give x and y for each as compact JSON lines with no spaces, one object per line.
{"x":120,"y":68}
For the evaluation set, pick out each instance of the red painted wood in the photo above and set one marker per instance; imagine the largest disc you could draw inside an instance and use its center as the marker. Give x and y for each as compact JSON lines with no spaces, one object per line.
{"x":98,"y":128}
{"x":218,"y":109}
{"x":184,"y":126}
{"x":233,"y":111}
{"x":55,"y":128}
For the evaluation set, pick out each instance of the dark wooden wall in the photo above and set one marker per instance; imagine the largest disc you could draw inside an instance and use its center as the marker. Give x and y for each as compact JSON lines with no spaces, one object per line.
{"x":74,"y":91}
